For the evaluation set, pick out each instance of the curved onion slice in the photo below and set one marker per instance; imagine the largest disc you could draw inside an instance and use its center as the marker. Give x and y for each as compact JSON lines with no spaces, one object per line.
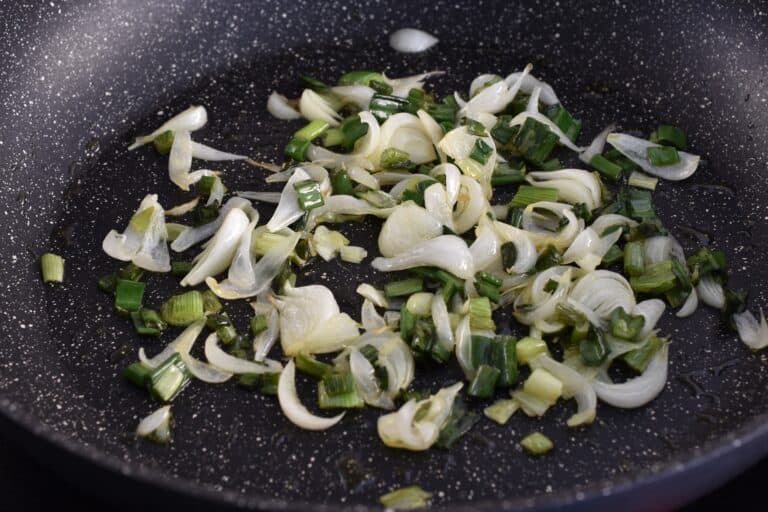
{"x":542,"y":231}
{"x":640,"y":390}
{"x":711,"y":292}
{"x":573,"y":185}
{"x":608,"y":220}
{"x":528,"y":83}
{"x":339,"y":207}
{"x":189,"y":120}
{"x":537,"y":307}
{"x":411,"y":40}
{"x":520,"y":118}
{"x":459,"y":143}
{"x":603,"y":291}
{"x":448,"y":252}
{"x":219,"y":252}
{"x":293,"y":408}
{"x":183,"y":208}
{"x":278,"y":106}
{"x":182,"y":344}
{"x":588,"y":249}
{"x":370,"y":318}
{"x":315,"y":107}
{"x":144,"y":241}
{"x":180,"y":160}
{"x":264,"y":197}
{"x":405,"y":132}
{"x":635,"y":149}
{"x":220,"y":359}
{"x":401,"y":429}
{"x":203,"y":152}
{"x":376,"y":296}
{"x":597,"y":145}
{"x":407,"y":225}
{"x":311,"y":321}
{"x":471,"y":204}
{"x":442,"y":323}
{"x":486,"y":249}
{"x":358,"y":95}
{"x":689,"y":306}
{"x":463,"y":337}
{"x":365,"y":381}
{"x":495,"y":97}
{"x":752,"y":333}
{"x":265,"y":340}
{"x":481,"y":82}
{"x":524,"y":246}
{"x":288,"y":210}
{"x":401,"y":86}
{"x":154,"y":421}
{"x":574,"y":386}
{"x":651,"y":310}
{"x":193,"y":235}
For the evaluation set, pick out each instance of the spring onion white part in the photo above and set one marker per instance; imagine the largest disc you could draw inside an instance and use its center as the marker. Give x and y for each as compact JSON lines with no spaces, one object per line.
{"x":528,"y":83}
{"x":189,"y":120}
{"x":247,"y":277}
{"x":573,"y":185}
{"x":311,"y":322}
{"x":193,"y":235}
{"x":316,"y":107}
{"x":609,"y":220}
{"x":220,"y":359}
{"x":264,"y":197}
{"x":486,"y":249}
{"x":689,"y":306}
{"x":375,"y":295}
{"x":459,"y":144}
{"x":182,"y":344}
{"x":411,"y":40}
{"x":405,"y":132}
{"x":352,"y":254}
{"x":220,"y":250}
{"x":338,"y":208}
{"x":651,"y":311}
{"x":216,"y":195}
{"x":543,"y":230}
{"x":481,"y":82}
{"x":158,"y":420}
{"x":753,"y":333}
{"x":448,"y":252}
{"x":404,"y":429}
{"x":711,"y":292}
{"x":597,"y":145}
{"x":144,"y":241}
{"x":265,"y":340}
{"x":407,"y":225}
{"x":574,"y":386}
{"x":640,"y":390}
{"x":293,"y":409}
{"x":288,"y":210}
{"x":203,"y":152}
{"x":278,"y":106}
{"x":636,"y":150}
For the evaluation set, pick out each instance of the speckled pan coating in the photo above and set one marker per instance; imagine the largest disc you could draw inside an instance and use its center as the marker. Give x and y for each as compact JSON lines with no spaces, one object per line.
{"x":78,"y":81}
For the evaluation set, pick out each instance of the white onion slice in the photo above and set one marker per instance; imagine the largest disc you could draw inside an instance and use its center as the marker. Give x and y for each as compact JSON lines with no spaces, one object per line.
{"x":597,"y":145}
{"x":407,"y":225}
{"x":264,"y":197}
{"x":182,"y":344}
{"x":203,"y":152}
{"x":189,"y":120}
{"x":220,"y":359}
{"x":640,"y":390}
{"x":359,"y":95}
{"x":288,"y":210}
{"x":375,"y":295}
{"x":370,"y":318}
{"x":264,"y":341}
{"x":635,"y":149}
{"x":528,"y":83}
{"x":689,"y":306}
{"x":278,"y":106}
{"x":448,"y":252}
{"x":180,"y":159}
{"x":315,"y":107}
{"x":411,"y":40}
{"x":183,"y":208}
{"x":752,"y":333}
{"x":365,"y":381}
{"x":651,"y":310}
{"x":193,"y":235}
{"x":711,"y":292}
{"x":293,"y":409}
{"x":574,"y":386}
{"x":154,"y":421}
{"x":442,"y":323}
{"x":204,"y":371}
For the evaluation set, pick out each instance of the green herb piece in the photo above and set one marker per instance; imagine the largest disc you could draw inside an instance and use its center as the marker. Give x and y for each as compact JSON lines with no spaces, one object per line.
{"x":537,"y":444}
{"x":138,"y":374}
{"x":312,"y":366}
{"x":205,"y":185}
{"x":407,"y":324}
{"x":380,"y":87}
{"x":404,"y":288}
{"x":481,"y":151}
{"x":735,"y":302}
{"x":296,"y":149}
{"x":168,"y":379}
{"x":528,"y":194}
{"x":147,"y":322}
{"x":640,"y":205}
{"x":480,"y":314}
{"x":476,"y":128}
{"x":128,"y":296}
{"x":313,"y":83}
{"x":535,"y":141}
{"x":211,"y":302}
{"x":181,"y":268}
{"x":338,"y":391}
{"x":641,"y":180}
{"x":312,"y":130}
{"x":406,"y":498}
{"x":606,"y":168}
{"x":393,"y":158}
{"x":548,"y":258}
{"x":382,"y":106}
{"x":416,"y":193}
{"x":352,"y":129}
{"x":668,"y":135}
{"x":52,"y":268}
{"x":504,"y":358}
{"x":501,"y":410}
{"x":657,"y":278}
{"x":163,"y":142}
{"x":341,"y":183}
{"x":266,"y":383}
{"x":553,"y":164}
{"x":506,"y":174}
{"x":564,"y":120}
{"x":258,"y":324}
{"x":614,"y":255}
{"x":508,"y":256}
{"x":484,"y":383}
{"x":308,"y":194}
{"x":445,"y":111}
{"x":634,"y":259}
{"x":183,"y":309}
{"x":624,"y":325}
{"x":502,"y":131}
{"x":458,"y":423}
{"x":360,"y":77}
{"x":640,"y":358}
{"x":705,"y":262}
{"x":662,"y":156}
{"x":594,"y":349}
{"x":488,"y":285}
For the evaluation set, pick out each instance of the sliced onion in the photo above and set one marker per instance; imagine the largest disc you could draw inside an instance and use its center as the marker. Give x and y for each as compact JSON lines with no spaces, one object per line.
{"x":609,"y":220}
{"x":265,"y":340}
{"x":183,"y":208}
{"x":448,"y":252}
{"x":315,"y":107}
{"x":376,"y":296}
{"x":538,"y":230}
{"x":407,"y":225}
{"x":689,"y":306}
{"x":636,"y":150}
{"x":651,"y":310}
{"x":182,"y":344}
{"x":278,"y":106}
{"x":574,"y":386}
{"x":204,"y":371}
{"x":640,"y":390}
{"x":520,"y":118}
{"x":220,"y":359}
{"x":524,"y":246}
{"x":597,"y":145}
{"x":411,"y":40}
{"x":360,"y":175}
{"x":401,"y":86}
{"x":358,"y":95}
{"x":154,"y":421}
{"x":463,"y":337}
{"x":370,"y":318}
{"x":193,"y":235}
{"x":288,"y":210}
{"x":293,"y":408}
{"x":365,"y":381}
{"x":442,"y":323}
{"x":180,"y":159}
{"x":203,"y":152}
{"x":189,"y":120}
{"x":339,"y":207}
{"x":573,"y":185}
{"x":603,"y":291}
{"x":405,"y":132}
{"x":264,"y":197}
{"x":711,"y":292}
{"x":481,"y":82}
{"x":752,"y":333}
{"x":528,"y":83}
{"x":486,"y":249}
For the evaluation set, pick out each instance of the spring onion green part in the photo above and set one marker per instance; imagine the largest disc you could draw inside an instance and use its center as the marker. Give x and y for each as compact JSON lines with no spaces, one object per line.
{"x":537,"y":444}
{"x":527,"y":194}
{"x":668,"y":135}
{"x":406,"y":498}
{"x":169,"y":379}
{"x":501,"y":410}
{"x":183,"y":309}
{"x":662,"y":156}
{"x":52,"y":268}
{"x":606,"y":168}
{"x":642,"y":180}
{"x":484,"y":383}
{"x":337,"y":391}
{"x":311,"y":366}
{"x":128,"y":296}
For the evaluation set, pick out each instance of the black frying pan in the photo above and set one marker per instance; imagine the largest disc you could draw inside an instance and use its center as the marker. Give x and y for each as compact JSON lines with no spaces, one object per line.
{"x":78,"y":81}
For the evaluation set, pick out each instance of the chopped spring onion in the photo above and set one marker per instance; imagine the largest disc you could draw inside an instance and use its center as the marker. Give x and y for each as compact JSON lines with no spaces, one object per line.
{"x":458,"y":423}
{"x":528,"y":348}
{"x":594,"y":348}
{"x":128,"y":296}
{"x":535,"y":141}
{"x":311,"y":366}
{"x":668,"y":135}
{"x":157,"y":426}
{"x":296,"y":149}
{"x":543,"y":385}
{"x":527,"y":194}
{"x":634,"y":259}
{"x":484,"y":383}
{"x":52,"y":267}
{"x":501,"y":410}
{"x":480,"y":314}
{"x":337,"y":391}
{"x":308,"y":194}
{"x":639,"y":358}
{"x":607,"y":168}
{"x":341,"y":182}
{"x":183,"y":309}
{"x":657,"y":278}
{"x":148,"y":322}
{"x":641,"y":180}
{"x":404,"y":288}
{"x":537,"y":444}
{"x":181,"y":268}
{"x":504,"y":358}
{"x":167,"y":380}
{"x":406,"y":498}
{"x":481,"y":151}
{"x":312,"y":131}
{"x":626,"y":326}
{"x":163,"y":142}
{"x":662,"y":156}
{"x":564,"y":120}
{"x":258,"y":324}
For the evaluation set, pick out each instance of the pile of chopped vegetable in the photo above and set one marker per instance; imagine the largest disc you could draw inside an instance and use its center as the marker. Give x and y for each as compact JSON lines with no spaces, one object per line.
{"x":578,"y":256}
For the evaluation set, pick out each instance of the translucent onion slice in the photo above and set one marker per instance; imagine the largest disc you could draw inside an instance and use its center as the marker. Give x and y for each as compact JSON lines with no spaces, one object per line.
{"x":640,"y":390}
{"x":180,"y":159}
{"x":203,"y":152}
{"x":315,"y":107}
{"x":407,"y":225}
{"x":220,"y":359}
{"x":528,"y":83}
{"x":574,"y":386}
{"x":636,"y":149}
{"x":264,"y":197}
{"x":144,"y":241}
{"x":573,"y":185}
{"x":265,"y":340}
{"x":711,"y":292}
{"x":597,"y":145}
{"x":189,"y":120}
{"x":603,"y":291}
{"x":184,"y":208}
{"x":401,"y":86}
{"x":338,"y":208}
{"x":376,"y":296}
{"x":154,"y":421}
{"x":411,"y":40}
{"x":193,"y":235}
{"x":651,"y":311}
{"x":365,"y":381}
{"x":752,"y":333}
{"x":288,"y":210}
{"x":278,"y":106}
{"x":689,"y":306}
{"x":442,"y":323}
{"x":370,"y":318}
{"x":293,"y":409}
{"x":182,"y":344}
{"x":524,"y":246}
{"x":204,"y":371}
{"x":448,"y":252}
{"x":358,"y":95}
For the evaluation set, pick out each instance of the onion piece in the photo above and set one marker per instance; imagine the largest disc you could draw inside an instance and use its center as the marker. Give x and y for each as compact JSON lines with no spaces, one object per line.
{"x":481,"y":82}
{"x":463,"y":338}
{"x":752,"y":333}
{"x":651,"y":310}
{"x":411,"y":40}
{"x":407,"y":225}
{"x":183,"y":208}
{"x":154,"y":421}
{"x":180,"y":159}
{"x":218,"y":254}
{"x":635,"y":149}
{"x":524,"y":246}
{"x":370,"y":318}
{"x":528,"y":83}
{"x":339,"y":207}
{"x":574,"y":386}
{"x":401,"y":86}
{"x":144,"y":241}
{"x":689,"y":306}
{"x":316,"y":107}
{"x":609,"y":220}
{"x":265,"y":340}
{"x":264,"y":197}
{"x":520,"y":118}
{"x":376,"y":296}
{"x":203,"y":152}
{"x":278,"y":106}
{"x":711,"y":292}
{"x":182,"y":344}
{"x":597,"y":145}
{"x":204,"y":371}
{"x":573,"y":185}
{"x":640,"y":390}
{"x":448,"y":252}
{"x":189,"y":120}
{"x":358,"y":95}
{"x":288,"y":210}
{"x":602,"y":291}
{"x":365,"y":381}
{"x":220,"y":359}
{"x":293,"y":408}
{"x":193,"y":235}
{"x":442,"y":323}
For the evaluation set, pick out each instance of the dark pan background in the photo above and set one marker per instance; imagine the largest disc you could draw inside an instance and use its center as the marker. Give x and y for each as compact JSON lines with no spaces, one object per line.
{"x":79,"y":80}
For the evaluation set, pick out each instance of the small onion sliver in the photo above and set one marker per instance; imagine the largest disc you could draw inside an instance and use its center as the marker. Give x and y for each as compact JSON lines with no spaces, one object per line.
{"x":411,"y":40}
{"x":293,"y":409}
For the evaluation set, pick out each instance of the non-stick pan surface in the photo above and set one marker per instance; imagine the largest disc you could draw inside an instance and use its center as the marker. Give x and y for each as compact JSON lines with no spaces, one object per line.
{"x":79,"y":80}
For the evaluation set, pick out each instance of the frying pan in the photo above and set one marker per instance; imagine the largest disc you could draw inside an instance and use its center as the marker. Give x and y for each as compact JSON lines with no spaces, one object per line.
{"x":80,"y":79}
